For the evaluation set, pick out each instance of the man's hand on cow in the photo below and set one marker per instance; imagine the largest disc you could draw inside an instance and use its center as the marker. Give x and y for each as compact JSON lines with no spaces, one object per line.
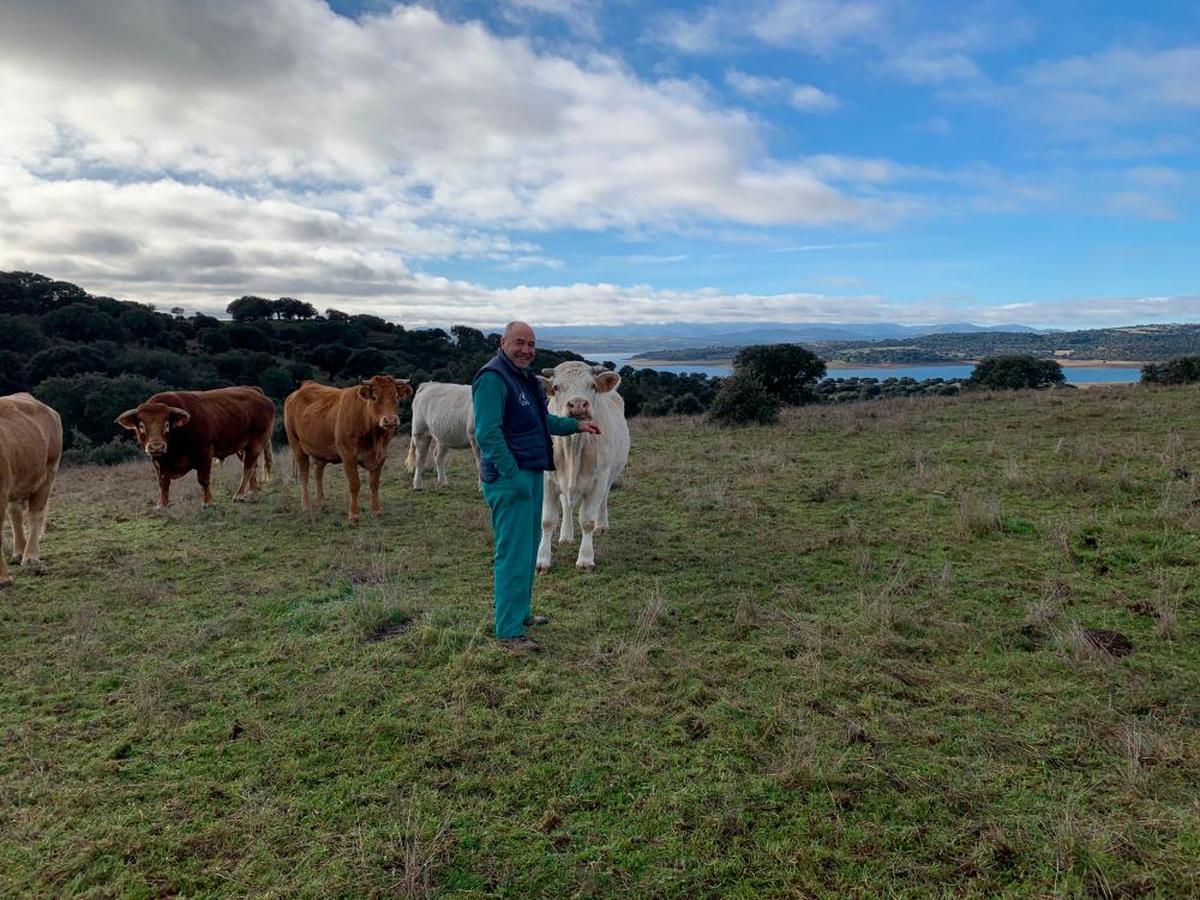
{"x":589,"y":427}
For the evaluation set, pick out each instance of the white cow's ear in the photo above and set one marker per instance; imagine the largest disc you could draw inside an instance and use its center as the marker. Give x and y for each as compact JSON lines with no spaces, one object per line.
{"x":546,"y":381}
{"x":549,"y":373}
{"x":128,"y":419}
{"x":607,"y":382}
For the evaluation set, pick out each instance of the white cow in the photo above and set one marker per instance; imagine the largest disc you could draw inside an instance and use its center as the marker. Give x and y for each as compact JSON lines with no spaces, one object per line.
{"x":586,"y":465}
{"x":442,"y":415}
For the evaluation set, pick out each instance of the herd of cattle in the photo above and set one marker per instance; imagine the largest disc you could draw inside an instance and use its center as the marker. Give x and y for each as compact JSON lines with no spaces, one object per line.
{"x":184,"y":431}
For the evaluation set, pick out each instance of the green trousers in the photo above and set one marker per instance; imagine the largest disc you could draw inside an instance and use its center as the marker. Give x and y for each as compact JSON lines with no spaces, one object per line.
{"x":516,"y":505}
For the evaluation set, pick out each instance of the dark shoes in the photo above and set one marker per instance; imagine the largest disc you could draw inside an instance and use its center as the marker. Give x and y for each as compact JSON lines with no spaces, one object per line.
{"x":535,"y":620}
{"x":520,"y":644}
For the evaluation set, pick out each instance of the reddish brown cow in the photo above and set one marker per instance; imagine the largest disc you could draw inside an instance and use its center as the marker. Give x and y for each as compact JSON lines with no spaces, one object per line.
{"x":30,"y":447}
{"x":185,"y":430}
{"x":351,"y":425}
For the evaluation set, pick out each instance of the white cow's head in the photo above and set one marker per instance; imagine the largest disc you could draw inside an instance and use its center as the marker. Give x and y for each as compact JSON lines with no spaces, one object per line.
{"x":572,"y":387}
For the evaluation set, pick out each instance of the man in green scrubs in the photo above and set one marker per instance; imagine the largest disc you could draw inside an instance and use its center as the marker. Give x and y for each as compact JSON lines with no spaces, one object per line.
{"x":512,"y":429}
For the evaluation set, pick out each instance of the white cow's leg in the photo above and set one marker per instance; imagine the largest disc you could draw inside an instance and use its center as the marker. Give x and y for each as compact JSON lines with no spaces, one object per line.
{"x":602,"y":516}
{"x":567,"y":533}
{"x":589,"y":510}
{"x":421,"y":443}
{"x":550,"y":509}
{"x":439,"y":461}
{"x":475,"y":454}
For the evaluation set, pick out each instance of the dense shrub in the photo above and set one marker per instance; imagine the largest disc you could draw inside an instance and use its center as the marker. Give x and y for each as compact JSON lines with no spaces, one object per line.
{"x":83,"y":451}
{"x":1181,"y":370}
{"x":1014,"y":372}
{"x":742,"y":400}
{"x":787,"y":371}
{"x":83,"y":322}
{"x":89,"y":404}
{"x":20,"y":334}
{"x":66,"y":361}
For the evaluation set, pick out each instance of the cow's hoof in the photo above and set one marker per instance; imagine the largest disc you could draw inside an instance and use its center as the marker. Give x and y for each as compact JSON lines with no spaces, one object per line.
{"x":6,"y":581}
{"x":33,"y":565}
{"x":160,"y":510}
{"x":585,"y":567}
{"x":543,"y":568}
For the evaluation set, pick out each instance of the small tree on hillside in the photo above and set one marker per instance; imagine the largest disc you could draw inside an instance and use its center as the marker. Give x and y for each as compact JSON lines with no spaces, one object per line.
{"x":251,"y":309}
{"x":742,"y":400}
{"x":1011,"y":373}
{"x":787,"y":371}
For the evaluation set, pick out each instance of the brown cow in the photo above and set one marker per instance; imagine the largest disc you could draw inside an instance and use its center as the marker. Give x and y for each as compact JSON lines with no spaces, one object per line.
{"x":30,"y":447}
{"x":351,"y":425}
{"x":185,"y":430}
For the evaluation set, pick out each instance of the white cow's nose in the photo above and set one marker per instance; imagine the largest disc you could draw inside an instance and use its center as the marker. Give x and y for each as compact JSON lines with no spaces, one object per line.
{"x":578,"y":407}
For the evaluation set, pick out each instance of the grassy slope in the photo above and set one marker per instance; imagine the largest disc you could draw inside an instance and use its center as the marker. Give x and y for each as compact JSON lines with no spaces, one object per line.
{"x":839,"y":656}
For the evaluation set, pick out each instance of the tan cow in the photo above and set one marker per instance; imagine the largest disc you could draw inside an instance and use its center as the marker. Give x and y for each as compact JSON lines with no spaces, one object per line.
{"x":30,"y":447}
{"x":351,"y":425}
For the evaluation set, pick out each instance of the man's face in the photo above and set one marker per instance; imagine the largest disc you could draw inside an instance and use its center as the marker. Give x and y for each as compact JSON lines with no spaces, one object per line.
{"x":519,"y":346}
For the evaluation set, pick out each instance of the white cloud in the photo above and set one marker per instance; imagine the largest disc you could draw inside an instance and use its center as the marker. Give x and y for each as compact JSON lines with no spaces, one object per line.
{"x":1099,"y":98}
{"x":816,"y":25}
{"x":813,"y":26}
{"x":804,"y":97}
{"x":190,"y":146}
{"x":933,"y":68}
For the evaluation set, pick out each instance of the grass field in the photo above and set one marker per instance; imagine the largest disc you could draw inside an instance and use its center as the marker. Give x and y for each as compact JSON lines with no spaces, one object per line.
{"x":844,"y":656}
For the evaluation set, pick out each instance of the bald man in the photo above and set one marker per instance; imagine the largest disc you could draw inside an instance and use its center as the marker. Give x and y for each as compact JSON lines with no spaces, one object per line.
{"x":513,"y":428}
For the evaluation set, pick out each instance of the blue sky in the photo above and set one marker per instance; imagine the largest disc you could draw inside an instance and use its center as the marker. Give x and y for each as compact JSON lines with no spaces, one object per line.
{"x":577,"y":161}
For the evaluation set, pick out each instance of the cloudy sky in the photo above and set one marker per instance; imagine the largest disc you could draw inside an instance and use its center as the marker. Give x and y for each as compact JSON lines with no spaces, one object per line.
{"x":607,"y":161}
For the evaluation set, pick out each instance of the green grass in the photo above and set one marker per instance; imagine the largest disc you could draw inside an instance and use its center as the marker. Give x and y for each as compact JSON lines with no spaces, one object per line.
{"x":838,"y":657}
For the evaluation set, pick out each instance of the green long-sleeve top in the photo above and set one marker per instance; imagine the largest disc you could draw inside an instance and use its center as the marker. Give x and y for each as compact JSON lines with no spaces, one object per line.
{"x":488,"y":399}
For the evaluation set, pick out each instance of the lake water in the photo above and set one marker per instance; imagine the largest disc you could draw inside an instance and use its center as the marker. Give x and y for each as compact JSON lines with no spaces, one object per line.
{"x":1075,"y":375}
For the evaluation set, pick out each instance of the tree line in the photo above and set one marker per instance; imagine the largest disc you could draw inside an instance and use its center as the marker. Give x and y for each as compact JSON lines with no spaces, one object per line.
{"x":92,"y":357}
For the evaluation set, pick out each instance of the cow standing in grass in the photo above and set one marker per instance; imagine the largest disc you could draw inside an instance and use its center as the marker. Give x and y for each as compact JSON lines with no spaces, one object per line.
{"x":442,"y":420}
{"x":185,"y":430}
{"x":353,"y":426}
{"x":31,"y":444}
{"x":585,"y":465}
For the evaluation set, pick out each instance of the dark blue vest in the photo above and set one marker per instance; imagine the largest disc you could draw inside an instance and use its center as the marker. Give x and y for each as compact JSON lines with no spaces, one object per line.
{"x":525,"y":428}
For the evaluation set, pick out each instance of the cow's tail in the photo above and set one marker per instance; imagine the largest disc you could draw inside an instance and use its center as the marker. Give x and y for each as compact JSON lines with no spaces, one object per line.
{"x":268,"y":460}
{"x":410,"y":461}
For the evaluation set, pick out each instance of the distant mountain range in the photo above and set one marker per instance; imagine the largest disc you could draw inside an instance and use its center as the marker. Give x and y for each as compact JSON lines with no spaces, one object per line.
{"x":677,"y":335}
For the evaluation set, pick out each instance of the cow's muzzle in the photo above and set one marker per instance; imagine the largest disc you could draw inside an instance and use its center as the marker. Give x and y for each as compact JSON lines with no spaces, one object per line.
{"x":579,"y":409}
{"x":389,"y":422}
{"x":156,"y":448}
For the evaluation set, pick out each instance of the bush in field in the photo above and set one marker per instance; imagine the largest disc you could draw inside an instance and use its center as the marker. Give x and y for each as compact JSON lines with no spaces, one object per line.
{"x":787,"y":371}
{"x":89,"y":404}
{"x":84,"y":452}
{"x":1010,"y":373}
{"x":1181,"y":370}
{"x":742,"y":400}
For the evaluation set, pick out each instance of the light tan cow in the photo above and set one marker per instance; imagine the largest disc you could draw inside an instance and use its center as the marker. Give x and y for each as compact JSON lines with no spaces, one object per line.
{"x":30,"y":448}
{"x":352,"y":426}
